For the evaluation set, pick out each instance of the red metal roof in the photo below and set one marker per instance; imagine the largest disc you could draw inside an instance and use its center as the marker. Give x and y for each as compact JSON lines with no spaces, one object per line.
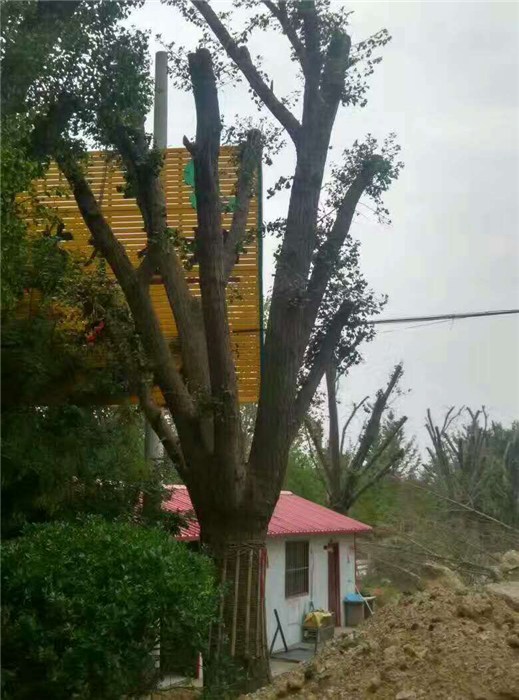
{"x":292,"y":515}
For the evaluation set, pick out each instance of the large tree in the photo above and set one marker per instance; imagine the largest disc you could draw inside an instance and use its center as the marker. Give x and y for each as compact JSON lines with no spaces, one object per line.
{"x":320,"y":302}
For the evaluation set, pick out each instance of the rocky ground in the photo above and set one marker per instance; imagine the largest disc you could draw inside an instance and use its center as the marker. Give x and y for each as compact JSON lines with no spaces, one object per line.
{"x":439,"y":644}
{"x":444,"y":643}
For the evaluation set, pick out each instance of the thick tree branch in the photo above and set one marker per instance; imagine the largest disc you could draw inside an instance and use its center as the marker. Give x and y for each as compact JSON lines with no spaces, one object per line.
{"x":146,"y":270}
{"x":137,"y":297}
{"x":250,"y":162}
{"x":311,"y":30}
{"x":388,"y":441}
{"x":288,"y":332}
{"x":333,"y":419}
{"x":308,"y":10}
{"x":160,"y":255}
{"x":315,"y":436}
{"x":373,"y":426}
{"x":321,"y":361}
{"x":241,"y":57}
{"x":334,"y":70}
{"x":155,"y":416}
{"x":210,"y":251}
{"x":347,"y":503}
{"x":328,"y":253}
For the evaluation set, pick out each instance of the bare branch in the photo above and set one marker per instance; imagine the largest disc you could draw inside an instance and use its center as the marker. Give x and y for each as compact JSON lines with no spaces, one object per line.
{"x":311,"y":449}
{"x":138,"y":299}
{"x":373,"y":426}
{"x":462,"y":505}
{"x":250,"y":161}
{"x":279,"y":11}
{"x":241,"y":57}
{"x":346,"y":425}
{"x":210,"y":251}
{"x":160,"y":255}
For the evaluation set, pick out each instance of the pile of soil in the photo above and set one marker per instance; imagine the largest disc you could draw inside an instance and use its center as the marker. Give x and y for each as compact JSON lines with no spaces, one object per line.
{"x":439,"y":644}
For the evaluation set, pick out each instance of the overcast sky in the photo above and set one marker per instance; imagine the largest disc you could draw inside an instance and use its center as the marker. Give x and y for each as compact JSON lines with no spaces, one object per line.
{"x":449,"y":87}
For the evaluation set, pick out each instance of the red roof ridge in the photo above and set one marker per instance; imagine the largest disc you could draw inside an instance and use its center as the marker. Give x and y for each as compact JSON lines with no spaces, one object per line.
{"x":294,"y":516}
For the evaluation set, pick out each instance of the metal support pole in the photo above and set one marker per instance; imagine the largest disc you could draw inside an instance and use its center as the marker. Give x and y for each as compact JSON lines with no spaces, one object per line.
{"x":160,"y":113}
{"x":153,"y":448}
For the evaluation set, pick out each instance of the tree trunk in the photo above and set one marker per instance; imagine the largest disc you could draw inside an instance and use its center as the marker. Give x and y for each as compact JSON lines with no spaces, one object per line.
{"x":238,"y":649}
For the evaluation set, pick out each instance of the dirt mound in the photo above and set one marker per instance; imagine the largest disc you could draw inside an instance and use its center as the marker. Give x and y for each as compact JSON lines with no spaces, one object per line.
{"x":440,"y":644}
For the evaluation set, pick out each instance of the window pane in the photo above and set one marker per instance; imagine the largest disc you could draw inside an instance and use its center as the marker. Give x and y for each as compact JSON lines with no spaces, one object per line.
{"x":296,"y":568}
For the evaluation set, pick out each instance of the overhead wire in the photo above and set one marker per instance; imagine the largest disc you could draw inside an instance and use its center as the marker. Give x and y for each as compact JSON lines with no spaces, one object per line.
{"x":422,"y":321}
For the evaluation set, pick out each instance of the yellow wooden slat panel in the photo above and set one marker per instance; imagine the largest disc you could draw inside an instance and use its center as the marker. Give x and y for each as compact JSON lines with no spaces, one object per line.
{"x":107,"y":180}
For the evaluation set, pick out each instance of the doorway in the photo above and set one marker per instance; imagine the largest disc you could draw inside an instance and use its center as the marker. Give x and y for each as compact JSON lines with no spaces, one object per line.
{"x":334,"y":582}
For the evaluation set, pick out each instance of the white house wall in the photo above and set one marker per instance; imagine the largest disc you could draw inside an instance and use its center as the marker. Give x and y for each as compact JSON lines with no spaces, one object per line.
{"x":292,"y":610}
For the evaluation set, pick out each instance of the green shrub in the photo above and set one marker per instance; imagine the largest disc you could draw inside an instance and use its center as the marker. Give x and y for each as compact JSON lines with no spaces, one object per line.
{"x":83,"y":603}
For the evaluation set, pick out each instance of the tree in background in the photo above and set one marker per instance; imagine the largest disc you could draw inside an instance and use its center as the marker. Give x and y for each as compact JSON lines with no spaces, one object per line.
{"x":320,"y":302}
{"x":477,"y":464}
{"x":459,"y":510}
{"x":349,"y":471}
{"x":303,"y":477}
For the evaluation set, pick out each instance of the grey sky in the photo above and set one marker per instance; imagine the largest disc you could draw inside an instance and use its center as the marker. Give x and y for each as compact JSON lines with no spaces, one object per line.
{"x":449,"y":88}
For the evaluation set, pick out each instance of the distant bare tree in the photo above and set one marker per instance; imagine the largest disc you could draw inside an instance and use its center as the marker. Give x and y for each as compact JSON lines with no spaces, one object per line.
{"x":477,"y":464}
{"x":379,"y":450}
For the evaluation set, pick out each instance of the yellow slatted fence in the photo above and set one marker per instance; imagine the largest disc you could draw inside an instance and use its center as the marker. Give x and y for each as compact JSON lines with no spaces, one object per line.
{"x":123,"y":215}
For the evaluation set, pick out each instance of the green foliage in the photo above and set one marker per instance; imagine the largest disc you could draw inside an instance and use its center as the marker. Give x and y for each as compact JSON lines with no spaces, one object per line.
{"x":378,"y":505}
{"x":63,"y":460}
{"x":303,"y":478}
{"x":503,"y":445}
{"x":393,"y":502}
{"x":82,"y":606}
{"x":73,"y":341}
{"x":47,"y":49}
{"x":16,"y":173}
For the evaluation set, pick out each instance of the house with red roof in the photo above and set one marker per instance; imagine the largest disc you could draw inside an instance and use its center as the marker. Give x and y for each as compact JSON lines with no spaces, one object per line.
{"x":310,"y":560}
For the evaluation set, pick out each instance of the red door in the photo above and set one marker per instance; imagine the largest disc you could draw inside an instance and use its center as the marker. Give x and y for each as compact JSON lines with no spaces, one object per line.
{"x":334,"y":582}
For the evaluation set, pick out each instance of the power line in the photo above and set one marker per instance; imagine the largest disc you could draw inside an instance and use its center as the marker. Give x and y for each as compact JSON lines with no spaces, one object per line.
{"x":443,"y":317}
{"x":407,"y":319}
